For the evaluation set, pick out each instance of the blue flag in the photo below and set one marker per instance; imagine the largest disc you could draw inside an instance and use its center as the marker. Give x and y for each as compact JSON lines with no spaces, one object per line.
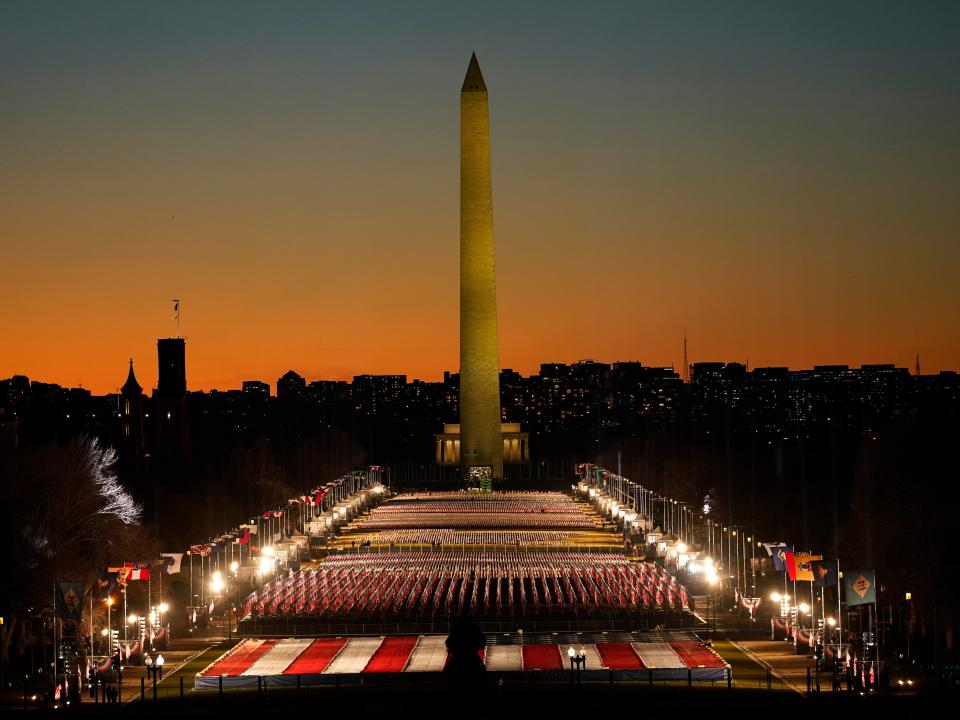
{"x":860,"y":586}
{"x":778,"y":553}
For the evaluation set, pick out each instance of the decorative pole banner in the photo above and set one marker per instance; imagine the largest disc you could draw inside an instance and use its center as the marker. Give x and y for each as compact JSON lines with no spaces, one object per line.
{"x":104,"y":585}
{"x":137,"y":570}
{"x":860,"y":586}
{"x":123,"y":574}
{"x":778,"y":553}
{"x":172,"y":564}
{"x":803,"y":570}
{"x":68,"y":600}
{"x":824,"y":573}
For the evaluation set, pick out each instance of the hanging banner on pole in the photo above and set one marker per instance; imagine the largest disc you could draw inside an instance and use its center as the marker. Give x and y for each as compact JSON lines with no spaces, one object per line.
{"x":778,"y":553}
{"x":68,"y":600}
{"x":104,"y":584}
{"x":803,"y":566}
{"x":824,"y":573}
{"x":860,"y":587}
{"x":171,"y":562}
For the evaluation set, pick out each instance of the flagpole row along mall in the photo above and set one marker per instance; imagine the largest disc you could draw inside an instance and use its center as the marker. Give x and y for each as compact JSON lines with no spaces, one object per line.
{"x":839,"y":612}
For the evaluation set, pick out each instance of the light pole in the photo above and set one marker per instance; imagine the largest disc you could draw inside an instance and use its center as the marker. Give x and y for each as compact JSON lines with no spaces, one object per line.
{"x":132,"y":619}
{"x":217,"y":584}
{"x":109,"y":602}
{"x":908,"y":597}
{"x":712,"y":580}
{"x":576,"y":660}
{"x":234,"y":570}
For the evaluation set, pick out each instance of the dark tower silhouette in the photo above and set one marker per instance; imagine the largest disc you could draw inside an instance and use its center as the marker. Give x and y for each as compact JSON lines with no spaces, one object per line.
{"x":131,"y":418}
{"x":170,"y":401}
{"x":171,"y":354}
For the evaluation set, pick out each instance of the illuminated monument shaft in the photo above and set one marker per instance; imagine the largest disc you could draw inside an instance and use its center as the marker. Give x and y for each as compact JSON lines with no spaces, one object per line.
{"x":481,"y":442}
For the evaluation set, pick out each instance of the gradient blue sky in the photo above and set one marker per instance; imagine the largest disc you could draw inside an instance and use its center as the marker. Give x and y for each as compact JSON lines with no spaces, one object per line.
{"x":780,"y":179}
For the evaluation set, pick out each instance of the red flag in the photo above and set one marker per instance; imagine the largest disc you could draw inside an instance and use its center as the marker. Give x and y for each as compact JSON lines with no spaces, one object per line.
{"x":244,"y":539}
{"x":138,"y":571}
{"x":790,"y":561}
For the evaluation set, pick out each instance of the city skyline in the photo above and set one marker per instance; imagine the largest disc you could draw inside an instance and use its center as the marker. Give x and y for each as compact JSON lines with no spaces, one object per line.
{"x":271,"y":386}
{"x":271,"y":381}
{"x":791,"y":204}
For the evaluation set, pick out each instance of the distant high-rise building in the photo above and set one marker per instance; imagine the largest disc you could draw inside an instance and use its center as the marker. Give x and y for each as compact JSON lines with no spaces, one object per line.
{"x":372,"y":393}
{"x":255,"y":388}
{"x":291,"y":386}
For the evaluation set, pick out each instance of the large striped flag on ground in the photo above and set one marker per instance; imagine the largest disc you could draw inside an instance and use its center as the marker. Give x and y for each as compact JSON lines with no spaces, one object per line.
{"x":274,"y":660}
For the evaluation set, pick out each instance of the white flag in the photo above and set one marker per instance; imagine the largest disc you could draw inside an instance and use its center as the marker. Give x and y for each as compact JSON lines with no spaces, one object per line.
{"x":173,"y":564}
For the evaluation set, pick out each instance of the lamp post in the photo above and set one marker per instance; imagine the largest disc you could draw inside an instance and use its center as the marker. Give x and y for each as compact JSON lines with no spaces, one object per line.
{"x":217,"y":584}
{"x":908,"y":597}
{"x":132,"y":619}
{"x":576,"y":660}
{"x":109,"y":602}
{"x":712,"y":580}
{"x":234,"y":570}
{"x":162,"y":608}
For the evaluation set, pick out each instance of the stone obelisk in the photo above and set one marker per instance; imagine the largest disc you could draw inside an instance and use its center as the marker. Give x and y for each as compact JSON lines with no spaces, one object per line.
{"x":481,"y":442}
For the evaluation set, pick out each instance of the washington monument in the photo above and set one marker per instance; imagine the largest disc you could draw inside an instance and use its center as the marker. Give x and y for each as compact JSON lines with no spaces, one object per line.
{"x":481,"y":444}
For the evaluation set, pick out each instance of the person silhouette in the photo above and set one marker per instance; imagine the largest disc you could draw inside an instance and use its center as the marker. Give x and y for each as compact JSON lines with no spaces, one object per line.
{"x":464,"y":644}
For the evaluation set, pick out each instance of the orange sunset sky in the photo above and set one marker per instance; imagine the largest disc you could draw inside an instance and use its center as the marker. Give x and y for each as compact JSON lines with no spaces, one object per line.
{"x":780,"y":182}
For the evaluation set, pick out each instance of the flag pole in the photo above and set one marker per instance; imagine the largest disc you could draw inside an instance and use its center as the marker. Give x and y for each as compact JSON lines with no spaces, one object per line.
{"x":91,"y":619}
{"x":56,"y":665}
{"x":796,"y":605}
{"x":823,"y":614}
{"x":839,"y":613}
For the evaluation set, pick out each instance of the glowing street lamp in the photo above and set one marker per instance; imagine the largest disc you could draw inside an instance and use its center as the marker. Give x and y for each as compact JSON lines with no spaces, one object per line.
{"x":109,"y":602}
{"x":576,"y":660}
{"x":162,"y":607}
{"x":713,"y":580}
